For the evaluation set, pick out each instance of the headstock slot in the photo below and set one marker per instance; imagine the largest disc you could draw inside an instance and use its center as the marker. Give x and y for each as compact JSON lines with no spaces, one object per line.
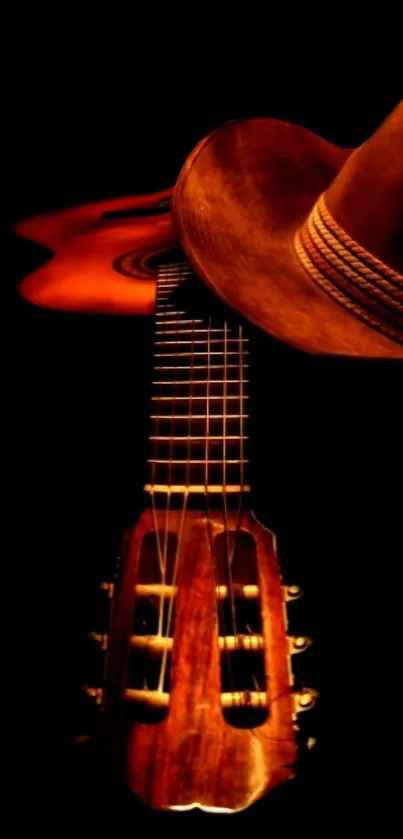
{"x":149,"y":665}
{"x":152,"y":544}
{"x":145,"y":668}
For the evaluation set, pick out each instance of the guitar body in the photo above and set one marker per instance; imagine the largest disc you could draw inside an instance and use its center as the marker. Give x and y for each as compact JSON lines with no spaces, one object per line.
{"x":101,"y":253}
{"x":199,"y":705}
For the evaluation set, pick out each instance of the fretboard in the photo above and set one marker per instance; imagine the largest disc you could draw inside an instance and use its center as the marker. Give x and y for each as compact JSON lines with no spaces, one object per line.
{"x":198,"y":438}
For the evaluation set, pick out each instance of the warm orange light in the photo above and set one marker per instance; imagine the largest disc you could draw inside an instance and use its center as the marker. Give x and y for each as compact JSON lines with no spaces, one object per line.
{"x":82,"y":276}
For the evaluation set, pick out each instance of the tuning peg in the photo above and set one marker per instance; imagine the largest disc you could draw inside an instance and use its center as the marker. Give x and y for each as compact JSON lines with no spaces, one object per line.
{"x":292,"y":593}
{"x":96,"y":694}
{"x":298,"y":643}
{"x":100,"y":639}
{"x":304,"y":699}
{"x":108,"y":588}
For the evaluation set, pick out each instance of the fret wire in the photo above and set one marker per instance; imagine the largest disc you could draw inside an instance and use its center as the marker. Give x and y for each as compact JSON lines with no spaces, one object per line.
{"x":172,"y":322}
{"x":185,"y":331}
{"x":199,"y":489}
{"x":197,"y":416}
{"x":199,"y":462}
{"x":175,"y":312}
{"x":188,"y":341}
{"x":197,"y":382}
{"x":175,"y":272}
{"x":200,"y":367}
{"x":197,"y":352}
{"x":197,"y":437}
{"x":194,"y":398}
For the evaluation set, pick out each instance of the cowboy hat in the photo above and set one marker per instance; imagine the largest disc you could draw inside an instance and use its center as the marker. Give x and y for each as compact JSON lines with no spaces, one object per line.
{"x":300,"y":236}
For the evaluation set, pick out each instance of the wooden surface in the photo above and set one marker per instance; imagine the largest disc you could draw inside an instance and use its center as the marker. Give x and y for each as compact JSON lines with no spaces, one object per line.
{"x":194,"y":756}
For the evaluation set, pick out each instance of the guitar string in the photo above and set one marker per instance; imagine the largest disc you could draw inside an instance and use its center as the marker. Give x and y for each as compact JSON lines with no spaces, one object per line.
{"x":241,"y":476}
{"x":224,"y":490}
{"x":162,"y":603}
{"x":169,"y":484}
{"x":241,"y":448}
{"x":231,"y":550}
{"x":209,"y":521}
{"x":164,"y":657}
{"x":209,"y":524}
{"x":229,"y":554}
{"x":153,"y":471}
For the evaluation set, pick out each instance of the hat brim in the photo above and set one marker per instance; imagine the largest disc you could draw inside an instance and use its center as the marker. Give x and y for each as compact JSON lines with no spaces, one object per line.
{"x":240,"y":198}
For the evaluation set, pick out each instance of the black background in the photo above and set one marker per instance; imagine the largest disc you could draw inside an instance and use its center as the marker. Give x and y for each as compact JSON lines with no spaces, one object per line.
{"x":326,"y":450}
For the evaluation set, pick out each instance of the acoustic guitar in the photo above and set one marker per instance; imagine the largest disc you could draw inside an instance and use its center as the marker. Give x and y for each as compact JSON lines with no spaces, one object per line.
{"x":199,"y":706}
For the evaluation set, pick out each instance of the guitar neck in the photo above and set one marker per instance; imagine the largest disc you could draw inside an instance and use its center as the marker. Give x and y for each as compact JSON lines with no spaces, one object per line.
{"x":199,"y":416}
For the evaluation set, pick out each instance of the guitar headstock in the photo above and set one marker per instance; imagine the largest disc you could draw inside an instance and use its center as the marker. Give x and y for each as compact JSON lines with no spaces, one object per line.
{"x":199,"y":701}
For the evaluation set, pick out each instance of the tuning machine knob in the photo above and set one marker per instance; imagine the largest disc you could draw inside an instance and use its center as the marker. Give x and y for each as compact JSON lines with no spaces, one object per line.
{"x":93,"y":693}
{"x":292,"y":593}
{"x":108,"y":588}
{"x":100,"y":639}
{"x":298,"y":643}
{"x":304,"y":699}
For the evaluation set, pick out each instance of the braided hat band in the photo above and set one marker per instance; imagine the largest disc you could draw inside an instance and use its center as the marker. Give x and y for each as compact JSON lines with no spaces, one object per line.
{"x":361,"y":283}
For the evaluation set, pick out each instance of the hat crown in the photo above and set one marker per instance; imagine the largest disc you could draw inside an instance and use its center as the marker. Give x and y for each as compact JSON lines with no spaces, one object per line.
{"x":366,"y":197}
